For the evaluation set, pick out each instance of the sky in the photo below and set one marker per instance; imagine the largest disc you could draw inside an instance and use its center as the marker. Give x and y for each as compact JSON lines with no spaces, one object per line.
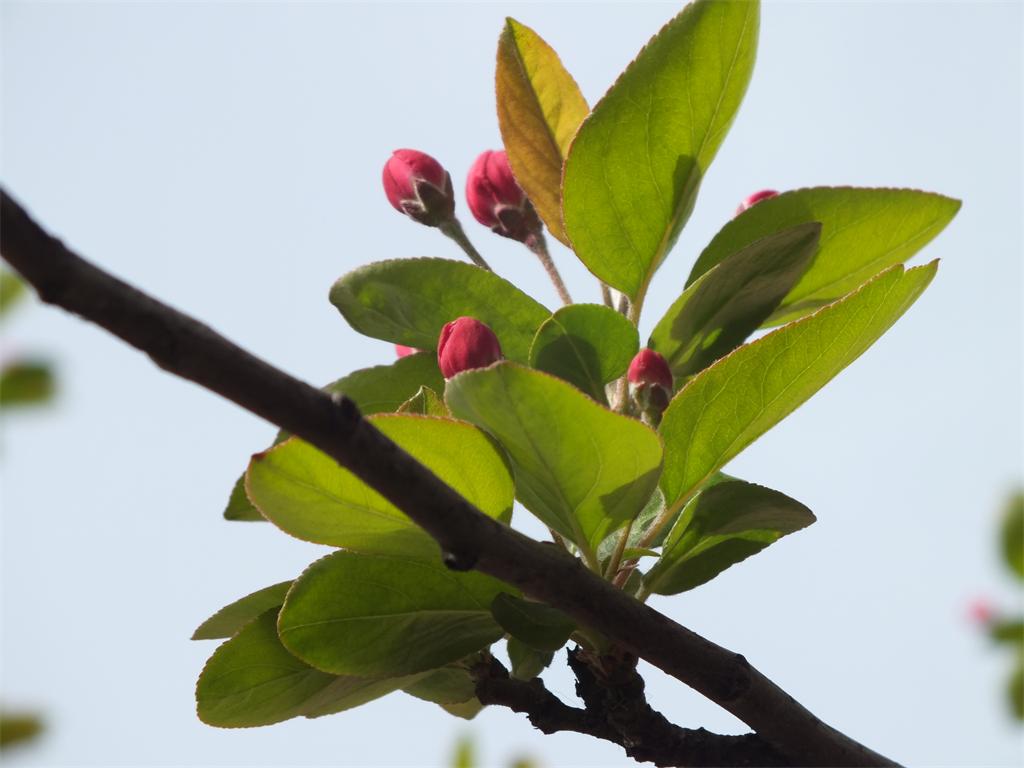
{"x":226,"y":157}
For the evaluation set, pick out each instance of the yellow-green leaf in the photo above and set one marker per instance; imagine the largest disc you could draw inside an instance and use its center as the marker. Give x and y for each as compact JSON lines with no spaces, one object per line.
{"x":540,"y":107}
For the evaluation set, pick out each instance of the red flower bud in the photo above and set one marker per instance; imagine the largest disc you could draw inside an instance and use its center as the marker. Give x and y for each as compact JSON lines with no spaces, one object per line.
{"x":418,"y":186}
{"x":755,"y":198}
{"x":649,"y":367}
{"x":403,"y":351}
{"x":981,"y":612}
{"x":497,"y":201}
{"x":466,"y":343}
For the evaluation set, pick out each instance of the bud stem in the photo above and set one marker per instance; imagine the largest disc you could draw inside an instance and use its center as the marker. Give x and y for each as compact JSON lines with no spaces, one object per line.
{"x":606,"y":296}
{"x":616,"y":558}
{"x":453,"y":229}
{"x":539,"y":246}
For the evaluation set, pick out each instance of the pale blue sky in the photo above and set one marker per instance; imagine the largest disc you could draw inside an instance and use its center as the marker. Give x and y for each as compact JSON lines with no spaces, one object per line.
{"x":226,"y":157}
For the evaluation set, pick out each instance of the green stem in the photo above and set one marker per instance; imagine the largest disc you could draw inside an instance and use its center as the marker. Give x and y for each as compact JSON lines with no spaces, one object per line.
{"x":453,"y":229}
{"x":616,"y":560}
{"x":539,"y":246}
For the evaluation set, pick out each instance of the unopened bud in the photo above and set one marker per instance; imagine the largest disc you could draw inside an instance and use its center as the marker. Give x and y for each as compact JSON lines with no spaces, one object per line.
{"x":650,"y":380}
{"x":466,"y":343}
{"x":497,"y":201}
{"x":418,"y":186}
{"x":403,"y":351}
{"x":649,"y":367}
{"x":755,"y":198}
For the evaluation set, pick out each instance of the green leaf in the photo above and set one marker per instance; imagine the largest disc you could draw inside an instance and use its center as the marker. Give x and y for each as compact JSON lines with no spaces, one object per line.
{"x":448,"y":685}
{"x":467,"y":710}
{"x":12,"y":290}
{"x":632,"y":173}
{"x":526,"y":662}
{"x":426,"y":402}
{"x":1008,"y":631}
{"x":464,"y":754}
{"x":381,"y":616}
{"x":408,"y":301}
{"x":26,"y":383}
{"x":231,"y":618}
{"x":1015,"y":690}
{"x":385,"y":388}
{"x":864,"y":231}
{"x":381,"y":389}
{"x":587,"y":345}
{"x":583,"y":470}
{"x":17,"y":728}
{"x":724,"y":524}
{"x":539,"y":109}
{"x":726,"y":407}
{"x":309,"y":495}
{"x":1013,"y":534}
{"x":716,"y":313}
{"x":239,"y":507}
{"x":538,"y":625}
{"x":253,"y":680}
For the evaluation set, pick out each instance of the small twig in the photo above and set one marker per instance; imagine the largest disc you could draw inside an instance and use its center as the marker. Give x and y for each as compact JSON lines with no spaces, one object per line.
{"x":606,"y":295}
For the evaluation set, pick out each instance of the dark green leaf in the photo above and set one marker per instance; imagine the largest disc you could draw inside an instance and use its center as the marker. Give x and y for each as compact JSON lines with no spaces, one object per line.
{"x":1013,"y":535}
{"x":26,"y":383}
{"x":239,"y":507}
{"x":716,"y":313}
{"x":231,"y":618}
{"x":864,"y":231}
{"x":588,"y":345}
{"x":583,"y":470}
{"x":448,"y":685}
{"x":426,"y":402}
{"x":381,"y":616}
{"x":408,"y":301}
{"x":1015,"y":690}
{"x":538,"y":625}
{"x":526,"y":662}
{"x":309,"y":495}
{"x":1011,"y":632}
{"x":253,"y":680}
{"x":726,"y":407}
{"x":724,"y":524}
{"x":633,"y":169}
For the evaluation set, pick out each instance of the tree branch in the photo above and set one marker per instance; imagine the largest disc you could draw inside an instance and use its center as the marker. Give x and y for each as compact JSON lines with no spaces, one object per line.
{"x":468,"y":539}
{"x":657,"y":741}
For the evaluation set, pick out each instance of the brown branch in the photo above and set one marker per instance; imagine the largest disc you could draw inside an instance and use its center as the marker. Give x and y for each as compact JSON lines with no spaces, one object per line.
{"x":610,"y":686}
{"x":469,"y":539}
{"x":651,"y":738}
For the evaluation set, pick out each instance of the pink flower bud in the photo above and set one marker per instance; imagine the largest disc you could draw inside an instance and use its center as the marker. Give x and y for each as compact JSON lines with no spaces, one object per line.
{"x":418,"y":186}
{"x":403,"y":351}
{"x":755,"y":198}
{"x":980,"y":612}
{"x":466,"y":343}
{"x":497,"y":201}
{"x":649,"y":367}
